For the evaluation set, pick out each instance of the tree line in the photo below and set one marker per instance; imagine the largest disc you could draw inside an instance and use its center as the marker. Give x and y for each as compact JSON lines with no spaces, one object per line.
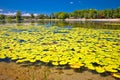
{"x":77,"y":14}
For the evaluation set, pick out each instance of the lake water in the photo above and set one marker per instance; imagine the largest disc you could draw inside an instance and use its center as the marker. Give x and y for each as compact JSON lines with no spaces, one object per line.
{"x":97,"y":24}
{"x":83,"y":46}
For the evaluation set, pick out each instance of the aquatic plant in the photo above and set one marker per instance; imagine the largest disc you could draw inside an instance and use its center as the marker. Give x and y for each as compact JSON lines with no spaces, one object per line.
{"x":95,"y":49}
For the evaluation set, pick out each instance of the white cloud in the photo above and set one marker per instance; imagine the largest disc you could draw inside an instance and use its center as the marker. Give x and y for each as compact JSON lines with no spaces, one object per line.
{"x":71,"y":2}
{"x":1,"y":10}
{"x":26,"y":14}
{"x":35,"y":14}
{"x":14,"y":13}
{"x":10,"y":13}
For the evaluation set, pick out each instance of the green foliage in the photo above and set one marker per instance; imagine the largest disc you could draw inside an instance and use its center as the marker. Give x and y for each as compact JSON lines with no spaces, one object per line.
{"x":52,"y":16}
{"x":91,"y":13}
{"x":43,"y":16}
{"x":87,"y":13}
{"x":118,"y":12}
{"x":77,"y":14}
{"x":61,"y":15}
{"x":8,"y":19}
{"x":2,"y":17}
{"x":32,"y":16}
{"x":18,"y":17}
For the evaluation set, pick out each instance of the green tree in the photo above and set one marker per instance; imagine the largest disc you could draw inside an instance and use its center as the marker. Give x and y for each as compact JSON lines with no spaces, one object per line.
{"x":61,"y":15}
{"x":78,"y":14}
{"x":8,"y":18}
{"x":108,"y":13}
{"x":46,"y":17}
{"x":92,"y":13}
{"x":100,"y":14}
{"x":52,"y":16}
{"x":2,"y":17}
{"x":41,"y":16}
{"x":85,"y":13}
{"x":118,"y":12}
{"x":32,"y":16}
{"x":18,"y":16}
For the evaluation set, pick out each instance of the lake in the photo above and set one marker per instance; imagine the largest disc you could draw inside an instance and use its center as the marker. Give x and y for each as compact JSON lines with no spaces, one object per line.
{"x":69,"y":50}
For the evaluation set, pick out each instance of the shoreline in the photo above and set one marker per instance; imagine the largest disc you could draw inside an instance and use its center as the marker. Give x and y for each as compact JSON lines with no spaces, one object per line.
{"x":13,"y":71}
{"x":74,"y":20}
{"x":101,"y":20}
{"x":83,"y":19}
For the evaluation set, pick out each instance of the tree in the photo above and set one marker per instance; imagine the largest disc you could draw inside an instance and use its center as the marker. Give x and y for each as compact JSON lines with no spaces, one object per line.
{"x":8,"y":18}
{"x":52,"y":16}
{"x":2,"y":17}
{"x":18,"y":17}
{"x":78,"y":14}
{"x":32,"y":16}
{"x":85,"y":13}
{"x":61,"y":15}
{"x":118,"y":12}
{"x":46,"y":17}
{"x":108,"y":13}
{"x":41,"y":16}
{"x":92,"y":13}
{"x":100,"y":14}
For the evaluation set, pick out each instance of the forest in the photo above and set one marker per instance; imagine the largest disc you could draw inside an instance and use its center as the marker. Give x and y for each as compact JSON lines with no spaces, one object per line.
{"x":77,"y":14}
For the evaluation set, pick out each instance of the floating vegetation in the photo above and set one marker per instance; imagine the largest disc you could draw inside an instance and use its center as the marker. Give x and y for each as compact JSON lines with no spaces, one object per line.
{"x":95,"y":49}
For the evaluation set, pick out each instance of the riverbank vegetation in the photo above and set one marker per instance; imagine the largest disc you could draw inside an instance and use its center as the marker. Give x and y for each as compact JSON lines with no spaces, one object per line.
{"x":77,"y":14}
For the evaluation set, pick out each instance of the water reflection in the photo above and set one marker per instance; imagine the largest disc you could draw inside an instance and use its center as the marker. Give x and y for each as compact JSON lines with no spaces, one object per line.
{"x":81,"y":24}
{"x":94,"y":25}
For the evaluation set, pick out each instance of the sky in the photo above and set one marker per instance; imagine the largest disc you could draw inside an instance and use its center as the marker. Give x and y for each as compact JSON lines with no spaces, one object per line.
{"x":50,"y":6}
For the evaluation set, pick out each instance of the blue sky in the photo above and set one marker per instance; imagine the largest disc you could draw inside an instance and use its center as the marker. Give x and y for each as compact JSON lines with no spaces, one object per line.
{"x":49,"y":6}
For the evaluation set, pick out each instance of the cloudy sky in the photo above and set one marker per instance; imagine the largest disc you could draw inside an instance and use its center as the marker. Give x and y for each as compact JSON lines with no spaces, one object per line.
{"x":49,"y":6}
